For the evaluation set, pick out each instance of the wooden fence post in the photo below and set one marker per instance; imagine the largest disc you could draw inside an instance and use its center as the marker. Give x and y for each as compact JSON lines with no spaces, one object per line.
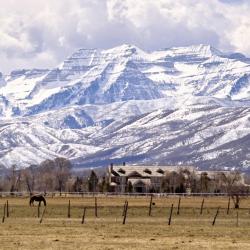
{"x":96,"y":215}
{"x":7,"y":209}
{"x":69,"y":209}
{"x":202,"y":204}
{"x":228,"y":205}
{"x":83,"y":215}
{"x":170,"y":215}
{"x":125,"y":214}
{"x":4,"y":210}
{"x":150,"y":205}
{"x":179,"y":204}
{"x":124,"y":207}
{"x":43,"y":214}
{"x":217,"y":212}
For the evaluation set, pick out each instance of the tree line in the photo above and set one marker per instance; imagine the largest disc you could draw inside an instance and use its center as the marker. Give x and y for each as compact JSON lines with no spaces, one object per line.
{"x":57,"y":176}
{"x":51,"y":176}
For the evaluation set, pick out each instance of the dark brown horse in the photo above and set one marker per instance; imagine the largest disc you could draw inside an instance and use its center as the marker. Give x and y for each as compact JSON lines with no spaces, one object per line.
{"x":38,"y":198}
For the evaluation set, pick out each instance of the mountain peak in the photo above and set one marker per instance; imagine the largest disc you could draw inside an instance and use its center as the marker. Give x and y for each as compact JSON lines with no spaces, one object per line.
{"x":202,"y":50}
{"x":126,"y":72}
{"x":126,"y":46}
{"x":124,"y":49}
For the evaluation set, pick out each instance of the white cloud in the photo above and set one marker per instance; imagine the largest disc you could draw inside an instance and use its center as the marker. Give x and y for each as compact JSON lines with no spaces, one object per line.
{"x":41,"y":33}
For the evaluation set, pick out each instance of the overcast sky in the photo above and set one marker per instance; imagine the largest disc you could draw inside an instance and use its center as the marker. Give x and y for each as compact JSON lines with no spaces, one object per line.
{"x":41,"y":33}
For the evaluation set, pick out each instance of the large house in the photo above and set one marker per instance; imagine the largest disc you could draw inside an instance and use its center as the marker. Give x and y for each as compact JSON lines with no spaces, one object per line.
{"x":140,"y":179}
{"x":169,"y":179}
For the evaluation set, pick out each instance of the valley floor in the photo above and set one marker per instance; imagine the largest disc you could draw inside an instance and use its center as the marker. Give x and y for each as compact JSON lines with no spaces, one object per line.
{"x":188,"y":230}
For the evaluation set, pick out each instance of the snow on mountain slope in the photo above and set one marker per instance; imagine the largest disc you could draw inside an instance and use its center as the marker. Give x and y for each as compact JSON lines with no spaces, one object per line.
{"x":208,"y":136}
{"x":214,"y":137}
{"x":93,"y":76}
{"x":183,"y":105}
{"x":65,"y":132}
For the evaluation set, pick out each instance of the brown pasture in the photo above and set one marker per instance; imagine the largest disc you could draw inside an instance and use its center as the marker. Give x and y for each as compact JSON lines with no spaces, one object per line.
{"x":188,"y":230}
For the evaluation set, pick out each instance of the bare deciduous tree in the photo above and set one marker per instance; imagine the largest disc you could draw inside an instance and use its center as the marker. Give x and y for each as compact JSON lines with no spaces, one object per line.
{"x":47,"y":176}
{"x":62,"y":168}
{"x":204,"y":182}
{"x":14,"y":179}
{"x":233,"y":185}
{"x":29,"y":177}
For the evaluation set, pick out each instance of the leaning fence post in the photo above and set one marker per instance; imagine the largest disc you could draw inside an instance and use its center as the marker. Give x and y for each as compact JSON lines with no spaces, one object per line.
{"x":42,"y":215}
{"x":178,"y":208}
{"x":96,"y":207}
{"x":125,"y":213}
{"x":170,"y":215}
{"x":217,"y":212}
{"x":124,"y":207}
{"x":83,"y":215}
{"x":69,"y":209}
{"x":228,"y":205}
{"x":202,"y":204}
{"x":150,"y":205}
{"x":4,"y":210}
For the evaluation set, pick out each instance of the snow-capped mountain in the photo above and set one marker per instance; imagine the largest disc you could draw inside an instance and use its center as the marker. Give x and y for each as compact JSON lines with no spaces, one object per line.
{"x":185,"y":105}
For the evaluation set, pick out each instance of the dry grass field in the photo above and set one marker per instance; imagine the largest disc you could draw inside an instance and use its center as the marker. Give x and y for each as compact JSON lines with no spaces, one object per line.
{"x":188,"y":230}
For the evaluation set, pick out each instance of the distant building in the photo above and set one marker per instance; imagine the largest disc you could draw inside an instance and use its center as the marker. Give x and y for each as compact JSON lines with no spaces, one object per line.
{"x":169,"y":179}
{"x":140,"y":179}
